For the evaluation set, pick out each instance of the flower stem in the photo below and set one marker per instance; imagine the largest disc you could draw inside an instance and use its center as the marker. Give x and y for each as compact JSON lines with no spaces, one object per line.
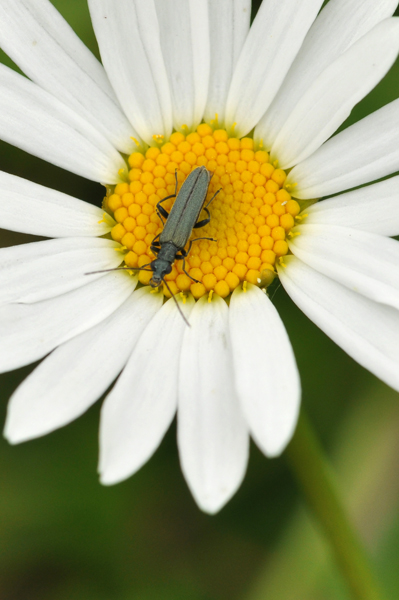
{"x":317,"y":481}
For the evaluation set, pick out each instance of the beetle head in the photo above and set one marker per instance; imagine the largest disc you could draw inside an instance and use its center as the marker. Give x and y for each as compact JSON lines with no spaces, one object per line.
{"x":160,"y":268}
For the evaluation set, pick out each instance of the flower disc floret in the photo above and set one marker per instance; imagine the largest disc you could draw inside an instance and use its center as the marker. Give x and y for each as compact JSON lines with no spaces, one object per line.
{"x":251,"y":216}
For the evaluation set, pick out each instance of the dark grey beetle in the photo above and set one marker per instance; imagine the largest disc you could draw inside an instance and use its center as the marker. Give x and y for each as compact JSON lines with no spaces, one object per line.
{"x":169,"y":245}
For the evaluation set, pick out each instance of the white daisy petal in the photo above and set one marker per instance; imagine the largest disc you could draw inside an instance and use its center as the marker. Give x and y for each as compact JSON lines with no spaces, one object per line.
{"x":364,"y":262}
{"x":44,"y":46}
{"x":40,"y":270}
{"x":69,"y":380}
{"x":128,"y":36}
{"x":366,"y":151}
{"x":30,"y":331}
{"x":373,"y":208}
{"x":35,"y":121}
{"x":212,"y":434}
{"x":366,"y":330}
{"x":139,"y":409}
{"x":229,"y":26}
{"x":31,"y":208}
{"x":331,"y":97}
{"x":184,"y":30}
{"x":338,"y":26}
{"x":269,"y":50}
{"x":267,"y":377}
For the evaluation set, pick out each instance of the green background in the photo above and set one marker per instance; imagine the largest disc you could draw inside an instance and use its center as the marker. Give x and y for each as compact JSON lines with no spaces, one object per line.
{"x":64,"y":536}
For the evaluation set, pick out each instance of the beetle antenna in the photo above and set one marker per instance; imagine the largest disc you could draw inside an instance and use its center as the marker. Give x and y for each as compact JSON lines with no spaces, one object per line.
{"x":120,"y":269}
{"x":177,"y":304}
{"x":148,"y":270}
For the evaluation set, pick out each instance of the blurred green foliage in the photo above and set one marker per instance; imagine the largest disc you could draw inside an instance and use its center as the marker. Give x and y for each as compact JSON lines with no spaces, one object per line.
{"x":64,"y":536}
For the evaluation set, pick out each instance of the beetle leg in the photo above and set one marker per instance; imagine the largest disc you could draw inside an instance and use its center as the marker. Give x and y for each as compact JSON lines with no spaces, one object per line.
{"x":214,"y":196}
{"x":161,"y":211}
{"x":184,"y":253}
{"x":207,"y":220}
{"x":188,"y":274}
{"x":204,"y":221}
{"x":183,"y":256}
{"x":196,"y":239}
{"x":156,"y":245}
{"x":176,"y":182}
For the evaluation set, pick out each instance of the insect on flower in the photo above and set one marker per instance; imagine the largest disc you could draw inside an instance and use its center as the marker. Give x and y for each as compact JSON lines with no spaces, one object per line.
{"x":190,"y":100}
{"x":168,"y":246}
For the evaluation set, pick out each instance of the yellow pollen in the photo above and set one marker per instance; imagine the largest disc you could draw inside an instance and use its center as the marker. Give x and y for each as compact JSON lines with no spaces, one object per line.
{"x":107,"y":219}
{"x":301,"y":217}
{"x":282,"y":263}
{"x":289,"y":186}
{"x":251,"y":217}
{"x":158,"y":138}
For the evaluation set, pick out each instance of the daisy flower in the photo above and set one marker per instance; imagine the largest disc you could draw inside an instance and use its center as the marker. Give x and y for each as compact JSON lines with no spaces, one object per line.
{"x":182,"y":84}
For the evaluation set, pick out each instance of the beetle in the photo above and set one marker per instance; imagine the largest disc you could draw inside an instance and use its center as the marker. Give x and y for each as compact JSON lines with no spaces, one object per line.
{"x":169,"y":245}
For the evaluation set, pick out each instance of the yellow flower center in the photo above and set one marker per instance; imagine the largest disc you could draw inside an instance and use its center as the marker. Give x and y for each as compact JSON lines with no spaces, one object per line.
{"x":251,"y":215}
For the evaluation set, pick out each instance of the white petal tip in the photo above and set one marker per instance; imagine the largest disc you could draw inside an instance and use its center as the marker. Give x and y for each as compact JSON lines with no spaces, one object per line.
{"x":29,"y":428}
{"x":211,"y":504}
{"x":18,"y":430}
{"x":273,"y":448}
{"x":212,"y":501}
{"x":17,"y":437}
{"x":112,"y":478}
{"x":112,"y":474}
{"x":274,"y":452}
